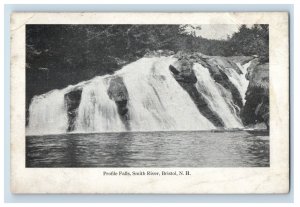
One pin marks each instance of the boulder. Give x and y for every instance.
(117, 91)
(72, 101)
(183, 71)
(256, 109)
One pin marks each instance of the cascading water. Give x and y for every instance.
(216, 98)
(156, 102)
(239, 80)
(97, 112)
(48, 114)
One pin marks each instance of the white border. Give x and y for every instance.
(203, 180)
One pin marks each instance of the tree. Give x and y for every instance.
(251, 41)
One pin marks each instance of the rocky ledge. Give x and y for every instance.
(72, 101)
(117, 91)
(256, 109)
(183, 73)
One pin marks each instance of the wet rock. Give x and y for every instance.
(183, 71)
(216, 70)
(72, 101)
(174, 70)
(184, 74)
(202, 105)
(216, 66)
(256, 109)
(158, 53)
(117, 91)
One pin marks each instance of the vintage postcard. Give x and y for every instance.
(183, 103)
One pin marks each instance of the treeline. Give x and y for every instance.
(59, 55)
(246, 41)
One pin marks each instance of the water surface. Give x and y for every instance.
(149, 149)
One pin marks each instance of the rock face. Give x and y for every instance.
(158, 53)
(72, 101)
(209, 80)
(216, 66)
(256, 109)
(117, 91)
(183, 73)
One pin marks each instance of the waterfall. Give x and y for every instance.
(48, 114)
(241, 83)
(97, 112)
(217, 98)
(155, 101)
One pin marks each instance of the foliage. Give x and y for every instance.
(251, 41)
(59, 55)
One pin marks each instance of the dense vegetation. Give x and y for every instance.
(59, 55)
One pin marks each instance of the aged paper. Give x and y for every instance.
(193, 180)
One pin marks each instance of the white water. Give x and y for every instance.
(217, 99)
(239, 80)
(48, 114)
(97, 112)
(156, 102)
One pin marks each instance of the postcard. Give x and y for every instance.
(172, 103)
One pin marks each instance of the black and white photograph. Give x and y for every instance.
(147, 95)
(163, 103)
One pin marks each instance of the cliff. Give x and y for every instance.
(164, 91)
(256, 109)
(253, 112)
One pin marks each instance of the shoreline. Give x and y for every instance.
(264, 132)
